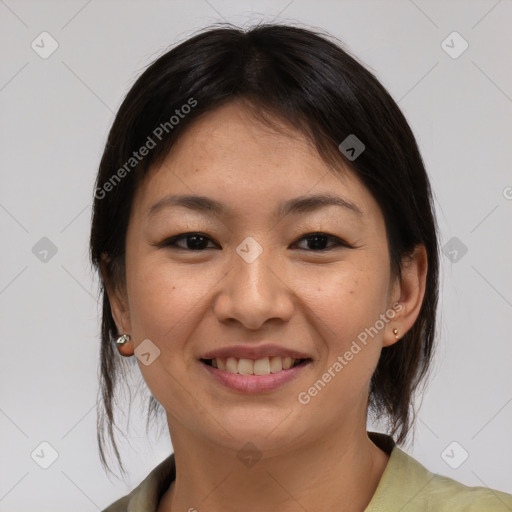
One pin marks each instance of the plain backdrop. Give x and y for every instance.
(56, 113)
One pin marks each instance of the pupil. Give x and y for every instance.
(197, 245)
(316, 244)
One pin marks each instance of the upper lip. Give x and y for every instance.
(254, 352)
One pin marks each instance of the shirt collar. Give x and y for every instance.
(146, 496)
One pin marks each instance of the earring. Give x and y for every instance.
(123, 339)
(395, 332)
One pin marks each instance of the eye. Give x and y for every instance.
(199, 242)
(193, 241)
(317, 241)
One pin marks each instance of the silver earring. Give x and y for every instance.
(123, 339)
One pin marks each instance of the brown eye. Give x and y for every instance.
(198, 242)
(317, 241)
(192, 242)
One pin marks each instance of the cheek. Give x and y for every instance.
(347, 311)
(162, 297)
(346, 301)
(165, 307)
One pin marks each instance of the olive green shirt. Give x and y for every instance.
(405, 486)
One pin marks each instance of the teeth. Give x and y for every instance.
(287, 363)
(276, 364)
(231, 365)
(264, 366)
(246, 367)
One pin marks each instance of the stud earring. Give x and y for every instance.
(123, 339)
(395, 332)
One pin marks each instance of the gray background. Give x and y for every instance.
(56, 113)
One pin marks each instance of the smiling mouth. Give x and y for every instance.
(263, 366)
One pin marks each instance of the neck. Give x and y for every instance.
(339, 470)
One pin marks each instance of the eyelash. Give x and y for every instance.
(172, 241)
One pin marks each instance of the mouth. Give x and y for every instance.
(253, 376)
(262, 366)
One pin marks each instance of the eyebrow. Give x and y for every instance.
(297, 205)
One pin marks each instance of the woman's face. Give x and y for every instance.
(252, 278)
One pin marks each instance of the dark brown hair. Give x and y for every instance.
(311, 82)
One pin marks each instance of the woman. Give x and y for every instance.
(265, 234)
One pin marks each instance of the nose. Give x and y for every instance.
(254, 293)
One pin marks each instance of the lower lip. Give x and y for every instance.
(254, 383)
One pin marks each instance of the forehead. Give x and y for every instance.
(247, 165)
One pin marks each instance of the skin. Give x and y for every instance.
(315, 456)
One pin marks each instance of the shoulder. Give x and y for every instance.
(145, 497)
(407, 485)
(446, 494)
(121, 505)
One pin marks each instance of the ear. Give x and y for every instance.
(408, 293)
(118, 298)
